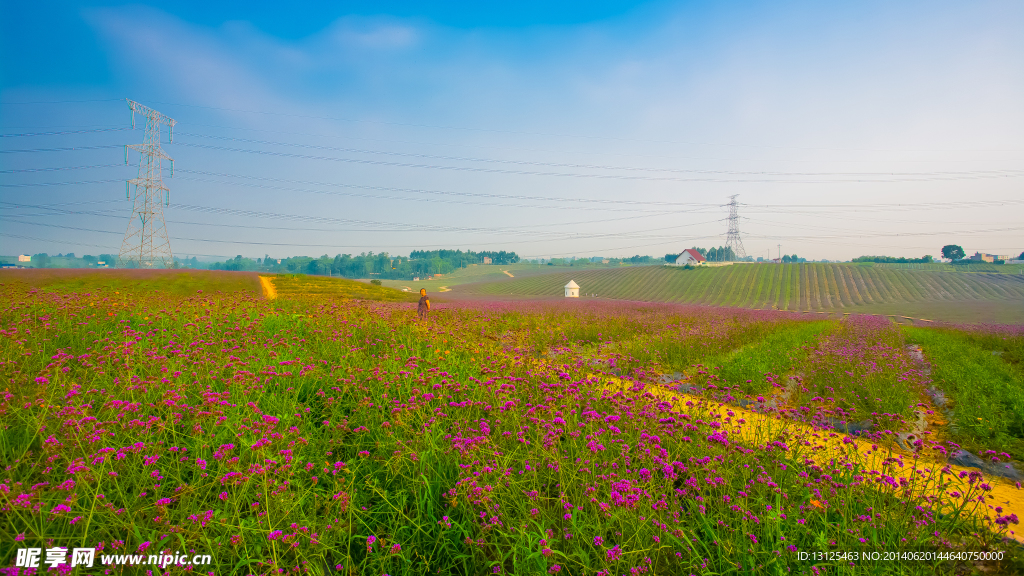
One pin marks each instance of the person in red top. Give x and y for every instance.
(424, 306)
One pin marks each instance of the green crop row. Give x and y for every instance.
(812, 286)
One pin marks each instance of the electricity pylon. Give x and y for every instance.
(145, 243)
(733, 240)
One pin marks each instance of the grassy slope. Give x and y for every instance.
(939, 295)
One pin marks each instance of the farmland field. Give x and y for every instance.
(329, 431)
(483, 273)
(938, 295)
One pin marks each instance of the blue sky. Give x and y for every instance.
(551, 129)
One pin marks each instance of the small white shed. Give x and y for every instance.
(572, 289)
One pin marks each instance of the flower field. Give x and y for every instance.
(319, 434)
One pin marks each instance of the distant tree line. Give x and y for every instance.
(582, 261)
(69, 260)
(894, 259)
(369, 265)
(501, 258)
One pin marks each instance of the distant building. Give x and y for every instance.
(24, 258)
(415, 278)
(437, 275)
(689, 256)
(572, 289)
(487, 259)
(979, 257)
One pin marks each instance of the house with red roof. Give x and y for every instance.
(689, 256)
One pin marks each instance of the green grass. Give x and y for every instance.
(933, 295)
(775, 355)
(300, 285)
(982, 375)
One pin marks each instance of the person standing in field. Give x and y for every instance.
(424, 306)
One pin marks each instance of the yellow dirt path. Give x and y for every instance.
(822, 446)
(509, 274)
(269, 292)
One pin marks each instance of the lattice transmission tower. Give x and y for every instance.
(145, 243)
(733, 240)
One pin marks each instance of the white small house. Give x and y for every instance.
(24, 258)
(572, 290)
(691, 257)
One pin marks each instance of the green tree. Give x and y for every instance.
(953, 252)
(41, 260)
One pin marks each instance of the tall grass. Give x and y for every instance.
(756, 367)
(862, 372)
(982, 375)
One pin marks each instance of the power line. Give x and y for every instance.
(59, 169)
(991, 173)
(589, 137)
(63, 132)
(766, 208)
(399, 227)
(393, 164)
(62, 149)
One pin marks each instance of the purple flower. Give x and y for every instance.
(613, 553)
(598, 541)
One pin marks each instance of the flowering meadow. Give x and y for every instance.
(323, 435)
